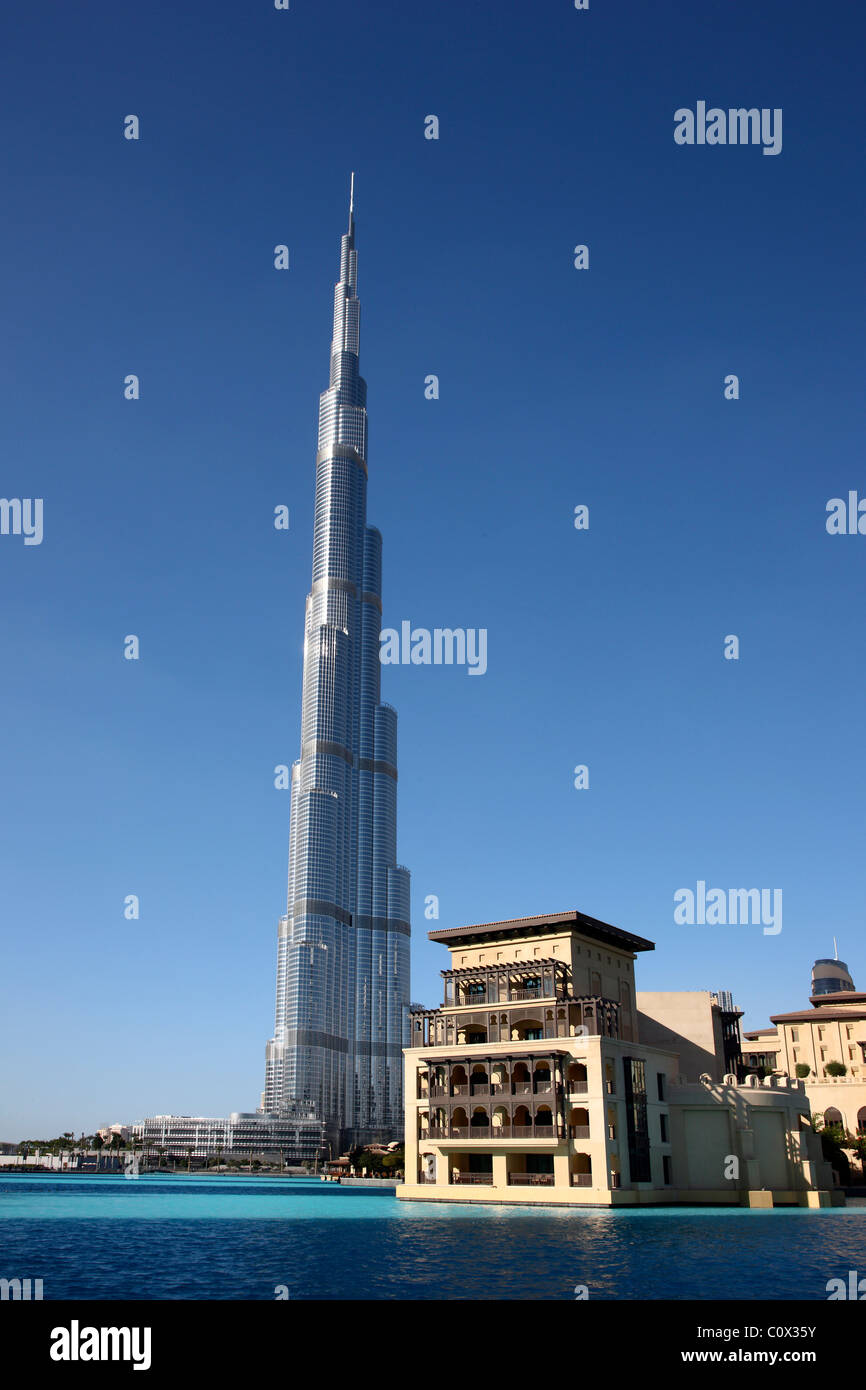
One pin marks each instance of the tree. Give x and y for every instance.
(803, 1070)
(836, 1069)
(832, 1140)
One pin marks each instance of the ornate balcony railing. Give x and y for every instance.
(577, 1088)
(530, 1180)
(579, 1131)
(483, 1179)
(491, 1132)
(581, 1179)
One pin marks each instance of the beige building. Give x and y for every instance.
(702, 1028)
(533, 1083)
(832, 1029)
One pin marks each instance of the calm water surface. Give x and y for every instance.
(191, 1236)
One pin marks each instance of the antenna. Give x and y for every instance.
(835, 950)
(351, 199)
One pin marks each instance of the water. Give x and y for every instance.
(200, 1237)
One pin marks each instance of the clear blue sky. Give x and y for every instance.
(558, 387)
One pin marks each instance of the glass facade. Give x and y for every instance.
(342, 1008)
(637, 1127)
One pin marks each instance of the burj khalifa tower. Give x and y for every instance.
(343, 945)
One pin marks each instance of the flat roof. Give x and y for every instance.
(523, 926)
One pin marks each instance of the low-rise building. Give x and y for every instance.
(831, 1031)
(110, 1132)
(298, 1137)
(702, 1027)
(532, 1083)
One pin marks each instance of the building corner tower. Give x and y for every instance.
(342, 998)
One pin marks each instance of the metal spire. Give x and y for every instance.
(351, 202)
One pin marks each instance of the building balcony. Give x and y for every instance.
(496, 1132)
(478, 1179)
(581, 1179)
(578, 1131)
(522, 1014)
(530, 1180)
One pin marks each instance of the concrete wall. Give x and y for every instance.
(687, 1022)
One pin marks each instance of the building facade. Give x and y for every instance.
(298, 1137)
(832, 1030)
(342, 992)
(701, 1026)
(531, 1084)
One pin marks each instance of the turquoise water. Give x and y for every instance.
(199, 1237)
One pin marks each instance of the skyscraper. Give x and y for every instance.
(343, 945)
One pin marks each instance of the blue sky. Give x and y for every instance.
(558, 387)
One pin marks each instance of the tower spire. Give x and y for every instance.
(342, 995)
